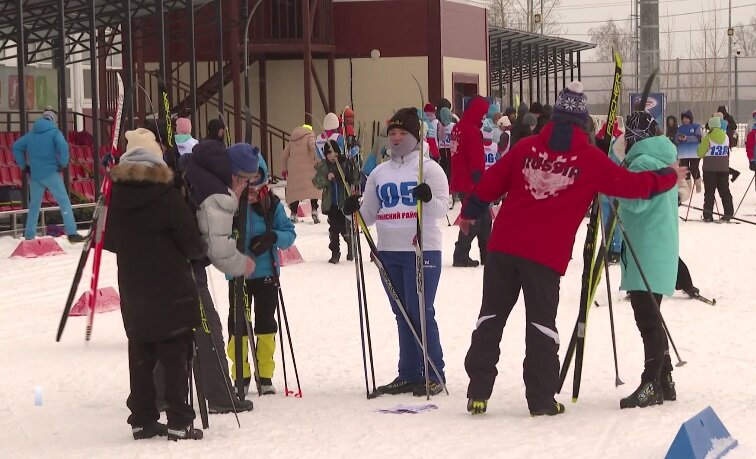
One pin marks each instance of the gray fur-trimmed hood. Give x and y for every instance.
(141, 166)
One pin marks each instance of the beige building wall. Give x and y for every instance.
(456, 65)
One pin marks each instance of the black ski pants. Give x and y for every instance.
(264, 294)
(503, 278)
(655, 344)
(175, 357)
(444, 161)
(295, 205)
(693, 167)
(480, 229)
(717, 182)
(337, 228)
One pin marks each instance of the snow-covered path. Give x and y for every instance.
(85, 386)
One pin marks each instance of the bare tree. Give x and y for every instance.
(745, 38)
(609, 38)
(515, 14)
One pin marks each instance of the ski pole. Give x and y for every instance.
(283, 351)
(367, 316)
(721, 215)
(657, 308)
(362, 306)
(291, 346)
(196, 367)
(617, 380)
(690, 201)
(748, 188)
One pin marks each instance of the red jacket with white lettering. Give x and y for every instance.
(467, 159)
(550, 180)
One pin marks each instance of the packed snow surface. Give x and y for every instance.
(81, 389)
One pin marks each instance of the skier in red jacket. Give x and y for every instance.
(550, 180)
(467, 165)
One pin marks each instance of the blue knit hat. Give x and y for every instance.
(572, 102)
(244, 158)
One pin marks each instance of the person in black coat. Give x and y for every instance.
(154, 234)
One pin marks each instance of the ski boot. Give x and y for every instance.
(434, 388)
(186, 433)
(692, 292)
(398, 386)
(553, 410)
(466, 263)
(239, 406)
(350, 252)
(476, 406)
(76, 238)
(669, 393)
(647, 394)
(334, 258)
(266, 387)
(150, 430)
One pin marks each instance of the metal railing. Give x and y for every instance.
(12, 217)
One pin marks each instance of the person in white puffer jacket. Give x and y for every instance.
(390, 202)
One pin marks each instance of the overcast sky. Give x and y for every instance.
(578, 16)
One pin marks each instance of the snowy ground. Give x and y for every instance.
(85, 386)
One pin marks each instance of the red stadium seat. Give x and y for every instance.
(89, 191)
(88, 154)
(3, 157)
(5, 139)
(16, 175)
(5, 176)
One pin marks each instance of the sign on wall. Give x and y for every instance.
(41, 88)
(656, 105)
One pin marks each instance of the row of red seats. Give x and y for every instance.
(7, 138)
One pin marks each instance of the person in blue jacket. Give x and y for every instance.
(47, 156)
(652, 229)
(268, 229)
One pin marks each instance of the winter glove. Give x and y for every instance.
(352, 204)
(107, 160)
(752, 166)
(262, 243)
(422, 192)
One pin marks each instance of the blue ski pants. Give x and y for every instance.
(400, 267)
(54, 183)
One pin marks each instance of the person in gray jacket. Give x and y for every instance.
(216, 193)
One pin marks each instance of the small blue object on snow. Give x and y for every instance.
(38, 396)
(407, 409)
(702, 436)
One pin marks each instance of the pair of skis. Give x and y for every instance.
(95, 240)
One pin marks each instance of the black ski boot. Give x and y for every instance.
(692, 292)
(239, 405)
(75, 238)
(476, 406)
(150, 430)
(553, 410)
(350, 253)
(334, 258)
(398, 386)
(186, 433)
(669, 393)
(267, 387)
(465, 263)
(647, 394)
(434, 388)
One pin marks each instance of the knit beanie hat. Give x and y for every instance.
(244, 158)
(429, 108)
(445, 116)
(492, 110)
(536, 108)
(50, 115)
(487, 133)
(504, 122)
(530, 120)
(638, 126)
(715, 122)
(572, 102)
(143, 139)
(183, 126)
(331, 122)
(214, 127)
(348, 112)
(406, 119)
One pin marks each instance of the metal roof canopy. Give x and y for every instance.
(40, 24)
(512, 54)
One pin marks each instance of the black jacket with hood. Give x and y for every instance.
(154, 235)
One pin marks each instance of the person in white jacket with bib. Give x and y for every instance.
(390, 202)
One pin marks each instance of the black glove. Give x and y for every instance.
(262, 243)
(752, 166)
(352, 204)
(107, 159)
(422, 192)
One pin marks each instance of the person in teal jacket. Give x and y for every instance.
(47, 156)
(651, 227)
(267, 230)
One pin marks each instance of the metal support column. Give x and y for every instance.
(511, 76)
(501, 72)
(128, 67)
(236, 73)
(572, 67)
(221, 67)
(307, 61)
(564, 70)
(62, 87)
(20, 64)
(530, 74)
(95, 83)
(519, 46)
(192, 69)
(580, 71)
(265, 141)
(556, 73)
(538, 74)
(546, 80)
